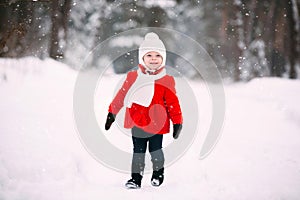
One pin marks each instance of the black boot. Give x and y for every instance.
(135, 181)
(157, 177)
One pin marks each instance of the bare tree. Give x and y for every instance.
(293, 29)
(59, 18)
(14, 26)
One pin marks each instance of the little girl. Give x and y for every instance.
(150, 98)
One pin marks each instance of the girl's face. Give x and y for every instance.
(153, 60)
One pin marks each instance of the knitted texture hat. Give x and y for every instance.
(152, 43)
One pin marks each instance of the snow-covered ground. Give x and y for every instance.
(42, 158)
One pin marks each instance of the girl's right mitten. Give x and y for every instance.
(109, 120)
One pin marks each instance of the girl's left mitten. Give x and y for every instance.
(176, 130)
(109, 120)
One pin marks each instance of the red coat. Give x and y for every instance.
(155, 118)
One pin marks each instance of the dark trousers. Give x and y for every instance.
(140, 140)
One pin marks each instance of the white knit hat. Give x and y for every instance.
(152, 43)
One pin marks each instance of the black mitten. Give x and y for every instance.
(109, 120)
(176, 130)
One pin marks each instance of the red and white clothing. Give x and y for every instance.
(152, 116)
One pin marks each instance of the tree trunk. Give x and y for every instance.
(249, 29)
(12, 42)
(66, 15)
(239, 42)
(270, 38)
(4, 29)
(292, 14)
(224, 24)
(55, 51)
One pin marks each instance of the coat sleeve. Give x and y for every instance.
(118, 101)
(172, 102)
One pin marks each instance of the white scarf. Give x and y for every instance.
(142, 90)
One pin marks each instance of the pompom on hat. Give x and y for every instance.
(152, 43)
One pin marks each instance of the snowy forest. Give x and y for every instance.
(236, 65)
(245, 38)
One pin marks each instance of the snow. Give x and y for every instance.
(163, 4)
(42, 157)
(126, 41)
